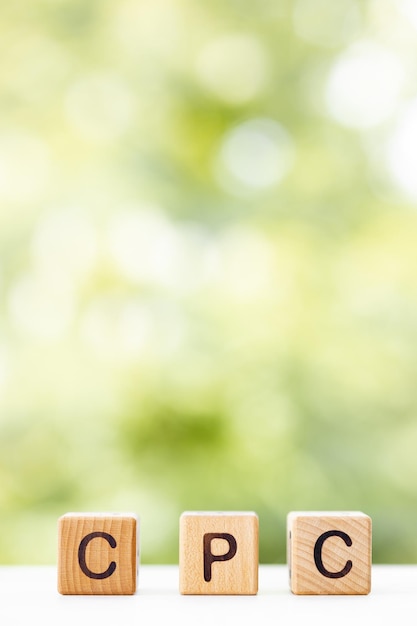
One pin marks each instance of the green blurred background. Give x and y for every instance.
(208, 265)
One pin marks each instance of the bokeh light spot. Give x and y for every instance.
(25, 166)
(64, 245)
(145, 246)
(38, 311)
(364, 85)
(99, 106)
(401, 152)
(254, 156)
(234, 68)
(327, 24)
(409, 10)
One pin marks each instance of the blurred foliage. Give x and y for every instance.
(208, 266)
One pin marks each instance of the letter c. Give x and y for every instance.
(318, 550)
(82, 550)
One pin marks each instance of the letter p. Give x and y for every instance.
(209, 537)
(210, 558)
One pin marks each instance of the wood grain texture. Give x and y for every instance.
(329, 552)
(97, 554)
(203, 570)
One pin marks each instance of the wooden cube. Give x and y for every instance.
(97, 554)
(219, 553)
(329, 552)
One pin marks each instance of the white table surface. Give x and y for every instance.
(28, 595)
